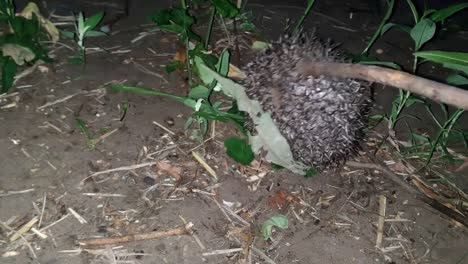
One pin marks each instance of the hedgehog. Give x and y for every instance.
(322, 117)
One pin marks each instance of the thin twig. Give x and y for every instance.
(123, 168)
(99, 242)
(61, 100)
(381, 221)
(436, 91)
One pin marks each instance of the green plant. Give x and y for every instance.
(280, 221)
(198, 99)
(123, 109)
(179, 21)
(457, 61)
(424, 30)
(20, 44)
(239, 150)
(83, 127)
(84, 28)
(310, 3)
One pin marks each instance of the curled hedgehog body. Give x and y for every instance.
(321, 117)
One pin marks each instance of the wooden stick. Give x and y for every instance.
(436, 91)
(381, 222)
(99, 242)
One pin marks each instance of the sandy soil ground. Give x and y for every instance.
(150, 180)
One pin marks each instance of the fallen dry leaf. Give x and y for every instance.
(181, 55)
(164, 166)
(281, 198)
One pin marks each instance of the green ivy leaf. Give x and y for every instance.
(239, 150)
(276, 221)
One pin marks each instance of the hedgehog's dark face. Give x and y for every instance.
(322, 118)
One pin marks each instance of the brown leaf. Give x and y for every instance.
(181, 55)
(164, 166)
(281, 198)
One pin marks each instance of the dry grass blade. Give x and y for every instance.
(205, 165)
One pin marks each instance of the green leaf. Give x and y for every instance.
(260, 45)
(223, 63)
(68, 34)
(188, 123)
(239, 150)
(93, 33)
(81, 23)
(276, 221)
(413, 10)
(381, 63)
(205, 76)
(93, 21)
(457, 58)
(412, 100)
(457, 67)
(420, 138)
(173, 66)
(428, 12)
(442, 14)
(199, 92)
(177, 16)
(422, 32)
(457, 79)
(161, 17)
(226, 8)
(248, 27)
(173, 28)
(9, 69)
(81, 124)
(388, 26)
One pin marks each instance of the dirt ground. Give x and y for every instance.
(48, 170)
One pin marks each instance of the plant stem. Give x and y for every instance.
(187, 47)
(210, 27)
(310, 3)
(401, 105)
(443, 133)
(407, 94)
(379, 29)
(226, 30)
(187, 61)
